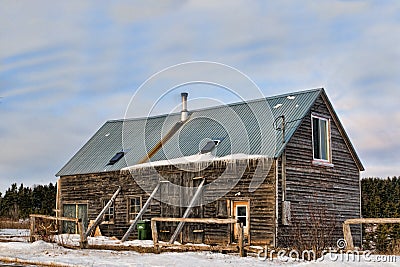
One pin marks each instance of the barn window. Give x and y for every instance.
(321, 138)
(109, 214)
(116, 158)
(134, 206)
(241, 214)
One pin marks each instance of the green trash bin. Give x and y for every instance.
(144, 230)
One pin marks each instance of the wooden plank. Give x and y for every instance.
(187, 212)
(100, 216)
(54, 218)
(139, 215)
(372, 220)
(158, 146)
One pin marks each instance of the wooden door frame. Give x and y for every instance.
(240, 202)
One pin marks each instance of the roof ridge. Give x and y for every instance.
(221, 106)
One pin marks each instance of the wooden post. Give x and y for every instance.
(83, 238)
(242, 253)
(154, 235)
(347, 236)
(58, 203)
(141, 212)
(100, 216)
(32, 230)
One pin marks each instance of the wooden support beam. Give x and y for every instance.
(139, 215)
(187, 212)
(158, 146)
(101, 214)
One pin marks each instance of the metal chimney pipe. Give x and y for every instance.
(184, 112)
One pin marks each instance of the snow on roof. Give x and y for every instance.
(197, 158)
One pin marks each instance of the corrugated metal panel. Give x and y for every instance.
(243, 127)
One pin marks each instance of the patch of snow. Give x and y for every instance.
(48, 253)
(14, 232)
(40, 244)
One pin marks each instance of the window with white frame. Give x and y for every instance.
(321, 138)
(134, 206)
(241, 214)
(109, 214)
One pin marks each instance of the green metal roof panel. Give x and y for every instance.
(251, 131)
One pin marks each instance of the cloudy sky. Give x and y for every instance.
(68, 66)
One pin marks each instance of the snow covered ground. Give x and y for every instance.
(14, 235)
(41, 251)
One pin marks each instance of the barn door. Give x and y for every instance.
(74, 211)
(69, 210)
(241, 211)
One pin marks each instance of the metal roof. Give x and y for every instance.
(245, 127)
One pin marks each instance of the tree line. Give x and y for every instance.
(380, 198)
(20, 201)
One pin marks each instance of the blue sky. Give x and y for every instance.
(68, 66)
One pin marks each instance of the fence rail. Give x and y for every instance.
(347, 232)
(154, 231)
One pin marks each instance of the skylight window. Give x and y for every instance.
(278, 105)
(209, 146)
(116, 158)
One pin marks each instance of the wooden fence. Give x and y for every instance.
(347, 232)
(154, 231)
(34, 227)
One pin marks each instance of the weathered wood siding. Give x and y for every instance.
(93, 188)
(312, 190)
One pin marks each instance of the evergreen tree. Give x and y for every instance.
(19, 202)
(380, 199)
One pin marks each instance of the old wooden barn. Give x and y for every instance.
(288, 174)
